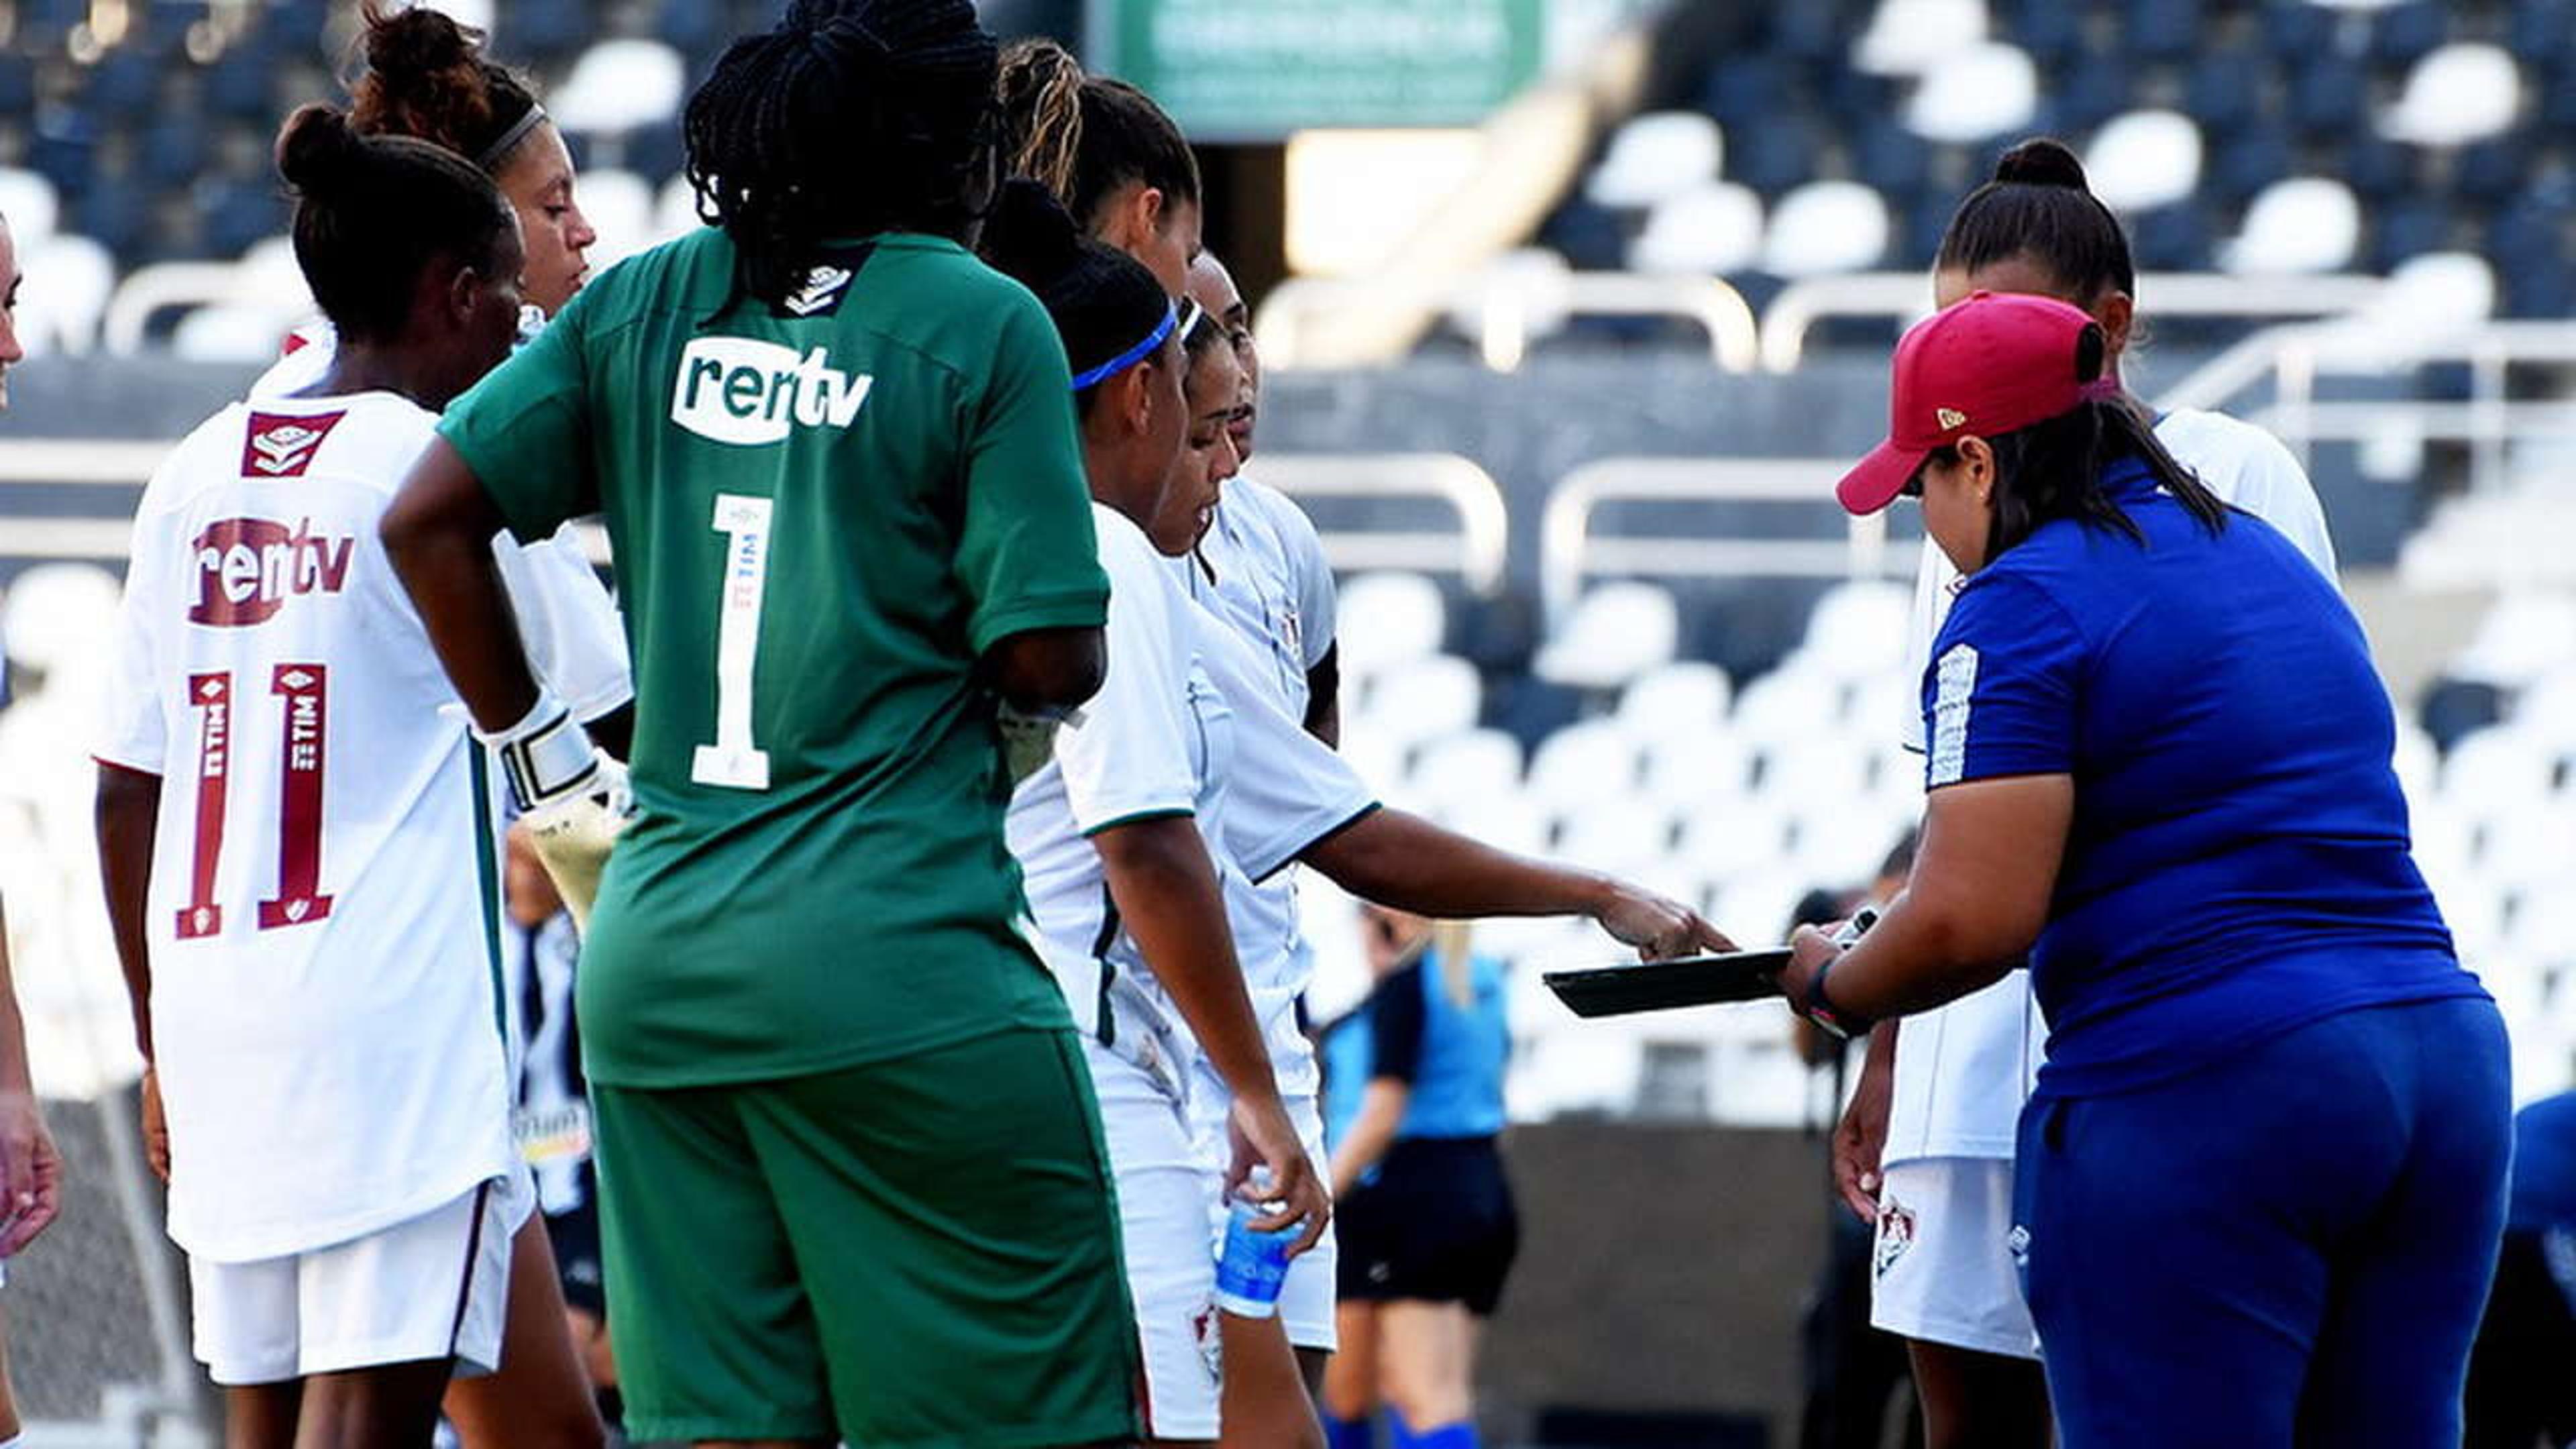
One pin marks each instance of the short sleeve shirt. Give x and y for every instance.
(2238, 863)
(824, 512)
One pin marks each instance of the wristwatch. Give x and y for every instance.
(1822, 1011)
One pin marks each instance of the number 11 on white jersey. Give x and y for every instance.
(734, 761)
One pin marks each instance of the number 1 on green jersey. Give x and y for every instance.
(734, 761)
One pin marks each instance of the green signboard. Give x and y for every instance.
(1256, 70)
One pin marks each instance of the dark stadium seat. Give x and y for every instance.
(17, 85)
(246, 215)
(2171, 238)
(2542, 31)
(2051, 30)
(2492, 172)
(2097, 88)
(2404, 34)
(2223, 89)
(2243, 164)
(2403, 228)
(2164, 30)
(2295, 30)
(122, 86)
(115, 214)
(1588, 237)
(546, 33)
(2329, 97)
(1772, 157)
(2375, 167)
(1891, 158)
(1746, 92)
(237, 86)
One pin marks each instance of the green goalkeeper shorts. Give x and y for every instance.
(915, 1252)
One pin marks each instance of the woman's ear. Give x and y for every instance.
(1135, 217)
(1977, 456)
(2116, 313)
(1135, 399)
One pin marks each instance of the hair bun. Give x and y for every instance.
(317, 152)
(2042, 161)
(1028, 234)
(403, 45)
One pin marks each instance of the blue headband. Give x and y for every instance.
(1132, 355)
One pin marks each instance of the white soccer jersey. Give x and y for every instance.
(565, 615)
(1951, 1063)
(321, 929)
(1261, 568)
(1157, 740)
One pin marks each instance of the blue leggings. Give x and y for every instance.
(2289, 1248)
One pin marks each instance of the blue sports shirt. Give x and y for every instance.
(2238, 864)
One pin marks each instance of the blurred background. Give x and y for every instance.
(1571, 312)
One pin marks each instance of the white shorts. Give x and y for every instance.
(1165, 1185)
(1942, 1268)
(435, 1286)
(1307, 1295)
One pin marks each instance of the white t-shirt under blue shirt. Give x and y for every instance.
(2238, 862)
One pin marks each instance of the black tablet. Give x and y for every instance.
(1664, 985)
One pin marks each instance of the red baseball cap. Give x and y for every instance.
(1993, 364)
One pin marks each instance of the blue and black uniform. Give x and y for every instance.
(2262, 1180)
(1434, 1220)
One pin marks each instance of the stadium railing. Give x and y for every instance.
(1506, 307)
(78, 463)
(2293, 359)
(1476, 552)
(1569, 550)
(1901, 297)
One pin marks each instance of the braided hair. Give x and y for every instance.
(373, 212)
(1085, 137)
(849, 118)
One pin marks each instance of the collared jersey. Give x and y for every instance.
(1963, 1070)
(321, 917)
(2238, 863)
(824, 513)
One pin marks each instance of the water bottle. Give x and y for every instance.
(1252, 1264)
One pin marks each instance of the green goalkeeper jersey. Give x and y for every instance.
(824, 512)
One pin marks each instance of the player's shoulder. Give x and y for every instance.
(2230, 455)
(1126, 554)
(367, 437)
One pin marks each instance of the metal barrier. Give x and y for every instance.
(2293, 358)
(1568, 550)
(1506, 305)
(1903, 297)
(1476, 553)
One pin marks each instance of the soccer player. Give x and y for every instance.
(1925, 1148)
(1106, 151)
(309, 956)
(1114, 830)
(850, 1170)
(31, 1171)
(428, 77)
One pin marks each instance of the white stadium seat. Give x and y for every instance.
(1982, 92)
(1825, 227)
(2495, 770)
(1617, 632)
(2300, 224)
(1584, 764)
(1686, 697)
(1712, 228)
(1389, 618)
(229, 332)
(1456, 770)
(1907, 37)
(1655, 156)
(30, 204)
(2143, 160)
(1813, 772)
(1726, 840)
(621, 207)
(675, 209)
(1421, 701)
(1859, 629)
(1787, 704)
(62, 315)
(2456, 95)
(619, 85)
(1698, 766)
(2526, 634)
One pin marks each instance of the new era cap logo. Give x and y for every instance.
(822, 291)
(1950, 417)
(283, 447)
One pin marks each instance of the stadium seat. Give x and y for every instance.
(2406, 32)
(619, 85)
(1749, 90)
(2529, 845)
(2252, 159)
(1825, 227)
(1892, 159)
(30, 203)
(1697, 767)
(2458, 94)
(1673, 699)
(229, 333)
(1713, 228)
(1776, 155)
(2401, 229)
(1822, 770)
(1617, 631)
(1421, 700)
(1909, 37)
(2171, 238)
(2328, 96)
(2144, 160)
(2222, 90)
(1583, 765)
(1725, 839)
(1982, 92)
(1654, 156)
(1859, 629)
(56, 615)
(63, 314)
(1457, 770)
(1389, 618)
(2527, 634)
(620, 204)
(2303, 224)
(2497, 769)
(2164, 30)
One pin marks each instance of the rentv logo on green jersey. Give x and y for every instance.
(741, 391)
